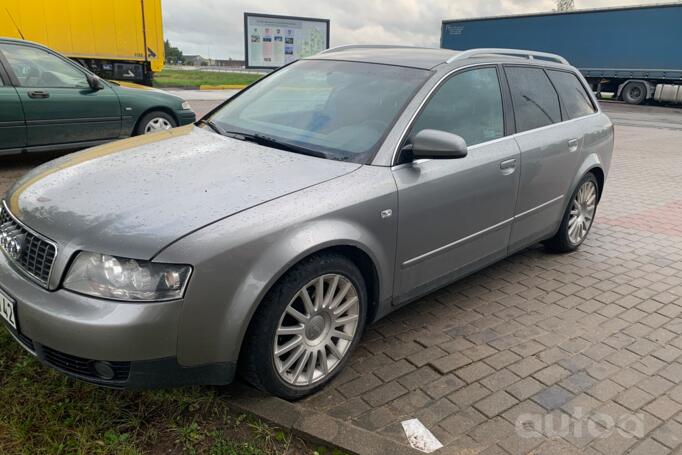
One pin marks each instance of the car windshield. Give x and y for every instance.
(336, 109)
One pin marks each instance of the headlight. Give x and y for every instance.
(116, 278)
(186, 106)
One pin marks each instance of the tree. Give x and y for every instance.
(173, 54)
(565, 5)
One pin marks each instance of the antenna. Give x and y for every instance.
(15, 24)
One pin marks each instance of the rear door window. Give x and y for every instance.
(536, 103)
(573, 95)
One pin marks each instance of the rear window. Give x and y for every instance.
(535, 101)
(573, 95)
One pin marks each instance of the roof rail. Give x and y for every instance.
(363, 46)
(530, 55)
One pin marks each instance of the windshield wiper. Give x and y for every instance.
(262, 139)
(268, 141)
(213, 126)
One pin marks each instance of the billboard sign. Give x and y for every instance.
(273, 41)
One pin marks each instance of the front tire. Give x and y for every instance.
(304, 331)
(578, 217)
(155, 121)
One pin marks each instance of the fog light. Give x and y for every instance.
(104, 370)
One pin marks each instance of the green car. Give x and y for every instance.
(49, 102)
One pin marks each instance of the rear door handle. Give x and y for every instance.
(508, 164)
(573, 145)
(38, 94)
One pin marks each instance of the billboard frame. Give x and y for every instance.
(274, 16)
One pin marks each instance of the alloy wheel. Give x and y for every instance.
(316, 330)
(157, 124)
(583, 208)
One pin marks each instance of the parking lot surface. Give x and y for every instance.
(546, 353)
(541, 353)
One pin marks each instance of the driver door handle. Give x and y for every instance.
(38, 94)
(508, 164)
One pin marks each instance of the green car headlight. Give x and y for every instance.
(117, 278)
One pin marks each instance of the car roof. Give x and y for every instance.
(23, 42)
(19, 41)
(430, 58)
(416, 57)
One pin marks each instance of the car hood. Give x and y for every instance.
(134, 86)
(133, 197)
(130, 88)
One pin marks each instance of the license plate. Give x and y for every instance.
(7, 310)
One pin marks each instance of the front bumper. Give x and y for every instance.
(134, 344)
(143, 374)
(185, 117)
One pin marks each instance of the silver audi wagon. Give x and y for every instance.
(263, 239)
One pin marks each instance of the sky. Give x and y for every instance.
(215, 28)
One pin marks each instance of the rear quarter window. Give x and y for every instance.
(536, 103)
(576, 100)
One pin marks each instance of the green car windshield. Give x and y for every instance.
(338, 109)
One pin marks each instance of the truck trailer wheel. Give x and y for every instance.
(634, 93)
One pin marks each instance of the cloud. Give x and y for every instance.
(215, 27)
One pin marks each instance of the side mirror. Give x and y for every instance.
(435, 144)
(94, 82)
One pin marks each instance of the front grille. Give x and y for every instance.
(26, 341)
(36, 255)
(83, 367)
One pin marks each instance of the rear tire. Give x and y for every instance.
(634, 93)
(578, 217)
(155, 121)
(291, 349)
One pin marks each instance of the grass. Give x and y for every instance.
(44, 412)
(195, 78)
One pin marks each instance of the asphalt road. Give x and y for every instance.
(666, 117)
(203, 101)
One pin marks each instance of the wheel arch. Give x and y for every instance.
(364, 262)
(601, 179)
(592, 164)
(357, 253)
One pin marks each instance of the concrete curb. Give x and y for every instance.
(315, 427)
(223, 87)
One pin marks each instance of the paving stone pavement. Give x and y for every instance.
(586, 348)
(541, 353)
